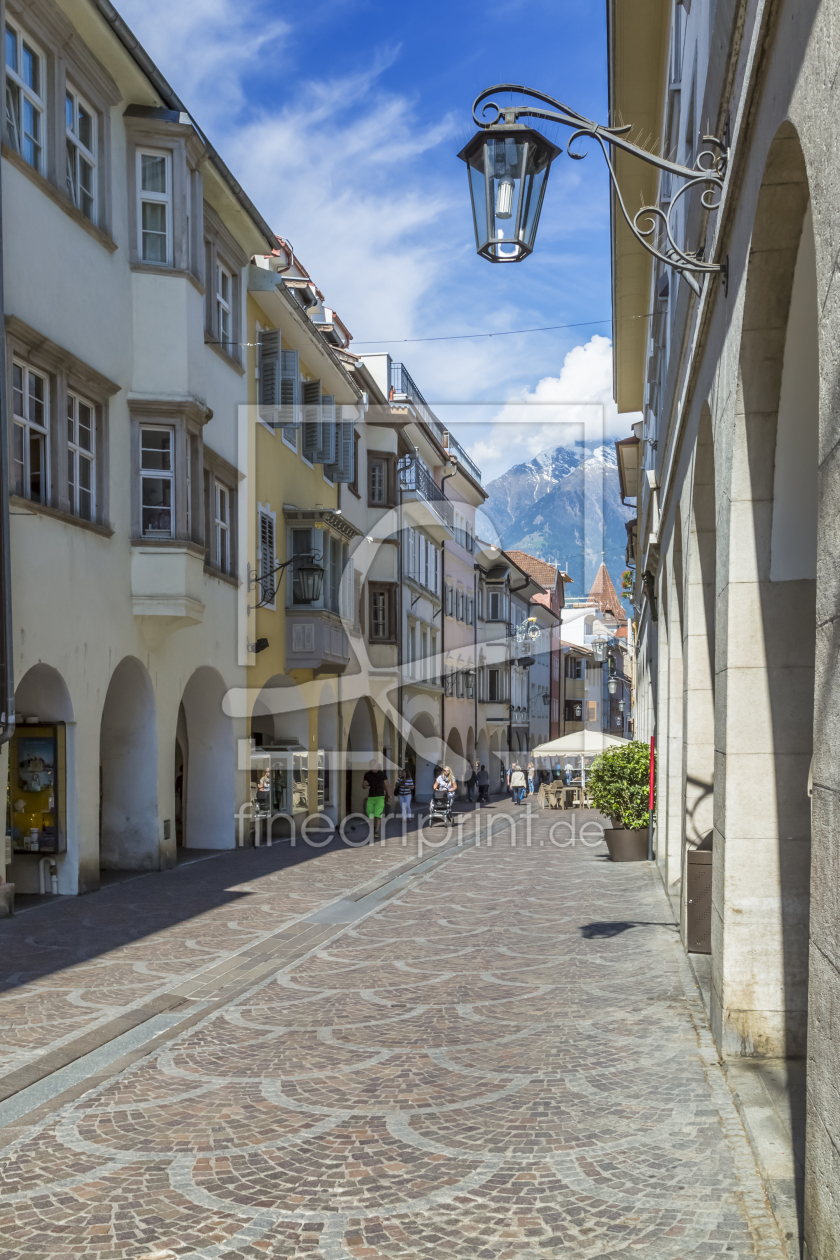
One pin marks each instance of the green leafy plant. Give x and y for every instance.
(618, 784)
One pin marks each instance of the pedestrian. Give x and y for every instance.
(483, 781)
(471, 781)
(405, 791)
(532, 786)
(376, 781)
(518, 784)
(509, 772)
(568, 773)
(445, 782)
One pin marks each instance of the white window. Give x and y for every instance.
(157, 481)
(496, 609)
(81, 453)
(224, 304)
(80, 126)
(25, 98)
(222, 526)
(154, 228)
(31, 426)
(189, 484)
(268, 559)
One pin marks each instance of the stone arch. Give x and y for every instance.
(129, 829)
(210, 791)
(762, 819)
(482, 752)
(362, 748)
(424, 744)
(454, 754)
(43, 693)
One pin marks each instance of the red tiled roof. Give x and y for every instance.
(540, 570)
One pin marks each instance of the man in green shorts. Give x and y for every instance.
(376, 782)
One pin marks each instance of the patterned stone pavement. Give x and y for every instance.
(507, 1060)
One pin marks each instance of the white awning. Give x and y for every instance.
(579, 744)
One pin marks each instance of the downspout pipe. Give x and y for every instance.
(7, 672)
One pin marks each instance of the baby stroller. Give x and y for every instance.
(440, 808)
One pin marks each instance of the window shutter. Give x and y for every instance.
(311, 399)
(269, 366)
(344, 468)
(325, 453)
(436, 587)
(289, 390)
(267, 558)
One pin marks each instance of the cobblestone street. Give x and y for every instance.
(496, 1052)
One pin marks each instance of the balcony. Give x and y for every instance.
(405, 390)
(425, 503)
(316, 639)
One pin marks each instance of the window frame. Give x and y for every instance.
(224, 307)
(38, 101)
(389, 591)
(389, 460)
(222, 526)
(75, 400)
(164, 475)
(23, 424)
(147, 196)
(82, 152)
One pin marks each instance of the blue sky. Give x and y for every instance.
(343, 118)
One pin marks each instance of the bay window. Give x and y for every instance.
(80, 140)
(81, 453)
(157, 481)
(25, 98)
(30, 474)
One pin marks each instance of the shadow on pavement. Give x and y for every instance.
(615, 927)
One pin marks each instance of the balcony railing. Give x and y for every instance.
(415, 476)
(403, 386)
(455, 448)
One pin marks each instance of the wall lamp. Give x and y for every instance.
(508, 164)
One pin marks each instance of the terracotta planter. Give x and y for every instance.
(627, 846)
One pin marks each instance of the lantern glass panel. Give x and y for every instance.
(508, 171)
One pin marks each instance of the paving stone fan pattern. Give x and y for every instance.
(502, 1063)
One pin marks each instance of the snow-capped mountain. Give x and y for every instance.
(564, 506)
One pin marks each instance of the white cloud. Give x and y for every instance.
(553, 412)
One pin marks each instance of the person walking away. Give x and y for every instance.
(532, 775)
(405, 790)
(471, 781)
(376, 781)
(483, 780)
(518, 784)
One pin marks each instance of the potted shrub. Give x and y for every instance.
(618, 786)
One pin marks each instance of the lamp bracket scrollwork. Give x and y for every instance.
(651, 225)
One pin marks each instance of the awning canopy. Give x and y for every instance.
(579, 744)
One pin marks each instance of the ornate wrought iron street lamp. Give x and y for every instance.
(308, 577)
(612, 686)
(508, 164)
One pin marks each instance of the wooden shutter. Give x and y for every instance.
(289, 391)
(311, 400)
(344, 466)
(269, 368)
(267, 558)
(325, 453)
